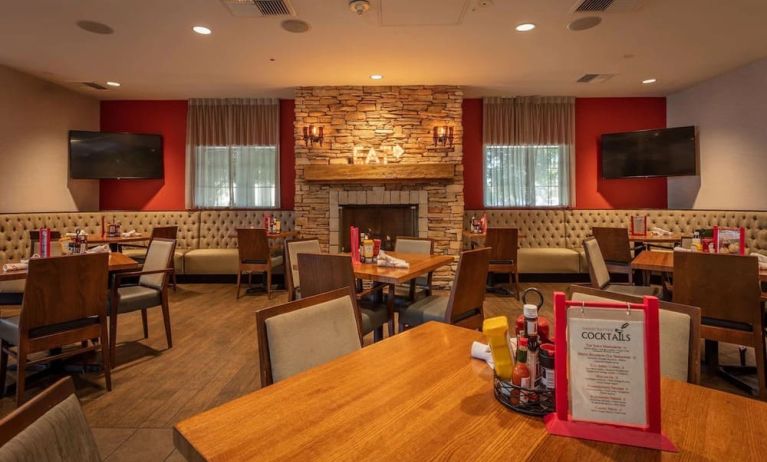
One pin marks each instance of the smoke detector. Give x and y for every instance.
(359, 6)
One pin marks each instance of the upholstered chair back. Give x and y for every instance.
(158, 257)
(296, 247)
(600, 277)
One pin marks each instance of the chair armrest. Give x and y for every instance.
(118, 277)
(137, 246)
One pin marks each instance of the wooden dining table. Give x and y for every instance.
(663, 262)
(419, 264)
(116, 240)
(117, 262)
(651, 238)
(419, 396)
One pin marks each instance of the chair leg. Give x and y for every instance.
(3, 366)
(112, 337)
(378, 333)
(760, 365)
(411, 293)
(269, 284)
(175, 281)
(239, 280)
(145, 323)
(516, 283)
(105, 362)
(166, 320)
(21, 366)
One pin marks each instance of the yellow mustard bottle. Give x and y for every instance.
(496, 330)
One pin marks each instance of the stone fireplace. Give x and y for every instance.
(381, 118)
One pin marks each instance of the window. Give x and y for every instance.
(236, 176)
(526, 176)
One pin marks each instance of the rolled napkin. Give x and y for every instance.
(762, 258)
(20, 266)
(681, 249)
(70, 234)
(482, 351)
(660, 231)
(99, 249)
(388, 260)
(130, 233)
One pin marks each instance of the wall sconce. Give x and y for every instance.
(443, 136)
(313, 135)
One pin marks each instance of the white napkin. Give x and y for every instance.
(70, 234)
(130, 233)
(482, 351)
(22, 265)
(762, 258)
(388, 260)
(660, 231)
(99, 249)
(681, 249)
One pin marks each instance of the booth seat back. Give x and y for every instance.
(540, 228)
(188, 223)
(218, 228)
(15, 227)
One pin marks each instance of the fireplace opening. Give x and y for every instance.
(384, 222)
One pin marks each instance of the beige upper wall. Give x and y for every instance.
(35, 118)
(729, 112)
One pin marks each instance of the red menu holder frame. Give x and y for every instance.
(634, 230)
(561, 423)
(741, 237)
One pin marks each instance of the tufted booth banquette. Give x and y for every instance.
(205, 238)
(553, 238)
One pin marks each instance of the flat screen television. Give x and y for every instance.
(103, 155)
(647, 153)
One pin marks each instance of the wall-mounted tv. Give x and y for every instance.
(103, 155)
(646, 153)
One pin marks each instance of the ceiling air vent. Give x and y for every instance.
(94, 85)
(593, 5)
(595, 78)
(606, 6)
(259, 8)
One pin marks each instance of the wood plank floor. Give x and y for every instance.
(214, 360)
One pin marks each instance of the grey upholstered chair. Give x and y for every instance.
(600, 276)
(679, 332)
(464, 305)
(151, 290)
(405, 244)
(49, 427)
(292, 249)
(305, 333)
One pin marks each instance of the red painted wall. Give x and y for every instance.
(595, 116)
(167, 118)
(472, 154)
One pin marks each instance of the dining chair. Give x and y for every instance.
(292, 248)
(322, 273)
(417, 245)
(255, 256)
(463, 306)
(150, 291)
(64, 303)
(504, 249)
(49, 427)
(600, 276)
(679, 331)
(726, 288)
(616, 249)
(305, 333)
(158, 232)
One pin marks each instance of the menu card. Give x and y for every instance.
(607, 373)
(639, 225)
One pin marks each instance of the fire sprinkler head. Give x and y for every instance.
(359, 6)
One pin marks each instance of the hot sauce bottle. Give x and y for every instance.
(521, 374)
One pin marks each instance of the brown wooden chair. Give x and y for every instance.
(616, 249)
(255, 256)
(416, 245)
(322, 273)
(302, 334)
(151, 291)
(64, 303)
(679, 332)
(726, 288)
(292, 248)
(504, 249)
(158, 232)
(600, 276)
(49, 427)
(464, 305)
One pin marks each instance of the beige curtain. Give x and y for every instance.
(529, 149)
(232, 152)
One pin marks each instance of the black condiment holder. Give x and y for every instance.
(535, 402)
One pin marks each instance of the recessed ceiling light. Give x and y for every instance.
(202, 30)
(376, 76)
(95, 27)
(113, 84)
(648, 81)
(525, 27)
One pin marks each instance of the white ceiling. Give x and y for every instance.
(155, 54)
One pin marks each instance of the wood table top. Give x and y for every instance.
(663, 262)
(472, 235)
(419, 396)
(117, 262)
(99, 239)
(419, 264)
(657, 238)
(280, 235)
